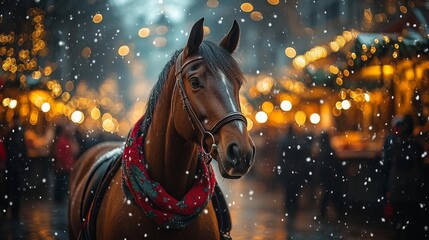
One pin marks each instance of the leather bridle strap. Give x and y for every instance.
(193, 118)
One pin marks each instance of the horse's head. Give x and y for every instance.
(206, 93)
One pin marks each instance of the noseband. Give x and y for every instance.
(192, 116)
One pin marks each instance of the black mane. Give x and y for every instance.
(215, 57)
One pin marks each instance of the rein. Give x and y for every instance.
(192, 116)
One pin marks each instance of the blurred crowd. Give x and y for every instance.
(40, 162)
(311, 162)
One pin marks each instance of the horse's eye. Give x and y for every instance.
(195, 83)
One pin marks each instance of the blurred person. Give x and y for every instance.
(16, 162)
(403, 155)
(330, 174)
(64, 151)
(293, 167)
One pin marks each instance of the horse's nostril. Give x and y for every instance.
(233, 153)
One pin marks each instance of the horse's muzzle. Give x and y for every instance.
(237, 161)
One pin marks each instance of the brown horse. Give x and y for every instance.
(193, 108)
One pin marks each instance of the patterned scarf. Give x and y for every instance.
(152, 198)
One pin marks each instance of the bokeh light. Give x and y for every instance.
(261, 117)
(286, 105)
(315, 118)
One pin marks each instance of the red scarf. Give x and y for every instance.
(150, 196)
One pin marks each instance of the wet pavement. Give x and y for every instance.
(256, 207)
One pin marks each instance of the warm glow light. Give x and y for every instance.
(144, 32)
(97, 18)
(333, 69)
(334, 46)
(290, 52)
(6, 101)
(264, 85)
(77, 117)
(36, 75)
(13, 103)
(108, 125)
(86, 52)
(300, 117)
(367, 97)
(338, 105)
(212, 3)
(345, 104)
(45, 107)
(286, 105)
(206, 30)
(256, 16)
(299, 62)
(123, 50)
(273, 2)
(246, 7)
(261, 117)
(267, 107)
(95, 113)
(314, 118)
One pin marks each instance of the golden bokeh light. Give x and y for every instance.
(97, 18)
(36, 75)
(95, 113)
(299, 62)
(267, 107)
(77, 117)
(6, 102)
(290, 52)
(108, 125)
(246, 7)
(315, 118)
(206, 30)
(256, 16)
(300, 117)
(45, 107)
(86, 52)
(13, 103)
(212, 3)
(123, 50)
(144, 32)
(261, 117)
(273, 2)
(286, 105)
(345, 104)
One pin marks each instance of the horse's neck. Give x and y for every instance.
(172, 161)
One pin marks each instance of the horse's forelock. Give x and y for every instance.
(217, 58)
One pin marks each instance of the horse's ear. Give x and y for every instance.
(195, 38)
(230, 41)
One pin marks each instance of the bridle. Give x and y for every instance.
(192, 116)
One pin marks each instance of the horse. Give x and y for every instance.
(193, 116)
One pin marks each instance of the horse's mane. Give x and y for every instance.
(215, 57)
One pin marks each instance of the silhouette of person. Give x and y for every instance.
(16, 151)
(65, 151)
(293, 164)
(402, 153)
(330, 175)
